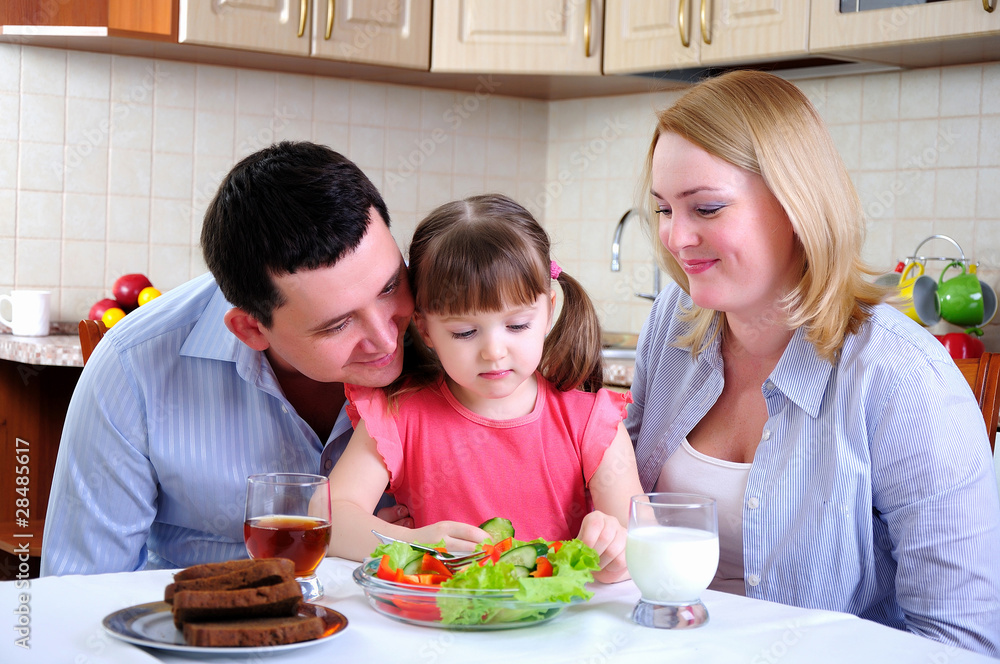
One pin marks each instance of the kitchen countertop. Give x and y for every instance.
(60, 349)
(619, 372)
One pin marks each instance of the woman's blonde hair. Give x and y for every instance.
(487, 253)
(765, 125)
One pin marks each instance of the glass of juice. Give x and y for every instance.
(672, 553)
(288, 516)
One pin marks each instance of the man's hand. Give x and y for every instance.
(606, 535)
(397, 515)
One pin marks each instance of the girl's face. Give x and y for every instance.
(490, 358)
(725, 228)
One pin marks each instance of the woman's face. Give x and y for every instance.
(726, 230)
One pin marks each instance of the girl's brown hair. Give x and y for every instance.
(487, 253)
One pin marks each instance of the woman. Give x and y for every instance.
(846, 452)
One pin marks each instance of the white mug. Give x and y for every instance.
(29, 312)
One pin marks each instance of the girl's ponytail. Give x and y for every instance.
(571, 357)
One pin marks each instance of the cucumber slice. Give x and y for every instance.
(412, 566)
(521, 556)
(498, 528)
(521, 572)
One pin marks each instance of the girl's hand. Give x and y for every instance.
(396, 514)
(606, 535)
(457, 536)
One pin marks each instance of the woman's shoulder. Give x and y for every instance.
(890, 334)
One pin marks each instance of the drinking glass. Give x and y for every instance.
(288, 516)
(672, 554)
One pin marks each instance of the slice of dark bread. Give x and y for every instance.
(212, 569)
(254, 632)
(263, 572)
(281, 599)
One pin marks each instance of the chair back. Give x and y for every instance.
(983, 374)
(91, 332)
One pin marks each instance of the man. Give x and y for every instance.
(237, 372)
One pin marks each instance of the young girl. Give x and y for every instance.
(489, 420)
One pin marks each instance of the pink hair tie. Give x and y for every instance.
(554, 270)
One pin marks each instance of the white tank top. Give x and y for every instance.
(690, 471)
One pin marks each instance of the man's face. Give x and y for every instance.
(345, 323)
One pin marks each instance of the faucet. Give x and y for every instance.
(616, 245)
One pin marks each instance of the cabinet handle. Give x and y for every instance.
(706, 35)
(303, 12)
(331, 5)
(989, 5)
(681, 23)
(586, 30)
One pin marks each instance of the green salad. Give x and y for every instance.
(536, 573)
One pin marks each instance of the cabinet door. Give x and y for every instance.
(831, 29)
(750, 30)
(517, 36)
(649, 35)
(259, 25)
(385, 32)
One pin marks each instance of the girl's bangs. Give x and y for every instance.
(458, 282)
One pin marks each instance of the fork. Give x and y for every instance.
(451, 560)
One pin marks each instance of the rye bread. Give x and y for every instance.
(263, 572)
(212, 569)
(281, 599)
(254, 632)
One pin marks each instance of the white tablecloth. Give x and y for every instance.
(65, 613)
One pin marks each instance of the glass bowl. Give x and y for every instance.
(433, 606)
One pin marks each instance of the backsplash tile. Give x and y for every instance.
(111, 160)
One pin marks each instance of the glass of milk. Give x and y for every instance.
(672, 553)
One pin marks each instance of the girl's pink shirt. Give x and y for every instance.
(447, 463)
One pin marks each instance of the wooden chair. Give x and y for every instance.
(91, 332)
(983, 374)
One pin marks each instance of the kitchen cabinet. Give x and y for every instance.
(149, 19)
(908, 34)
(33, 403)
(653, 35)
(384, 32)
(517, 36)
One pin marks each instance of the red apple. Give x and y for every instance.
(127, 288)
(97, 311)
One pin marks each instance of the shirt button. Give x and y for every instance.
(768, 384)
(753, 580)
(767, 434)
(752, 503)
(328, 466)
(284, 410)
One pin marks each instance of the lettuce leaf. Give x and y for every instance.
(400, 553)
(572, 566)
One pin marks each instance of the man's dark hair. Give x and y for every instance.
(291, 206)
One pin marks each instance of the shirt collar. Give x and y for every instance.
(801, 374)
(210, 339)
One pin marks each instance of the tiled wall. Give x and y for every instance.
(922, 146)
(107, 163)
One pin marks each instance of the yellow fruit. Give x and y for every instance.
(112, 316)
(146, 294)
